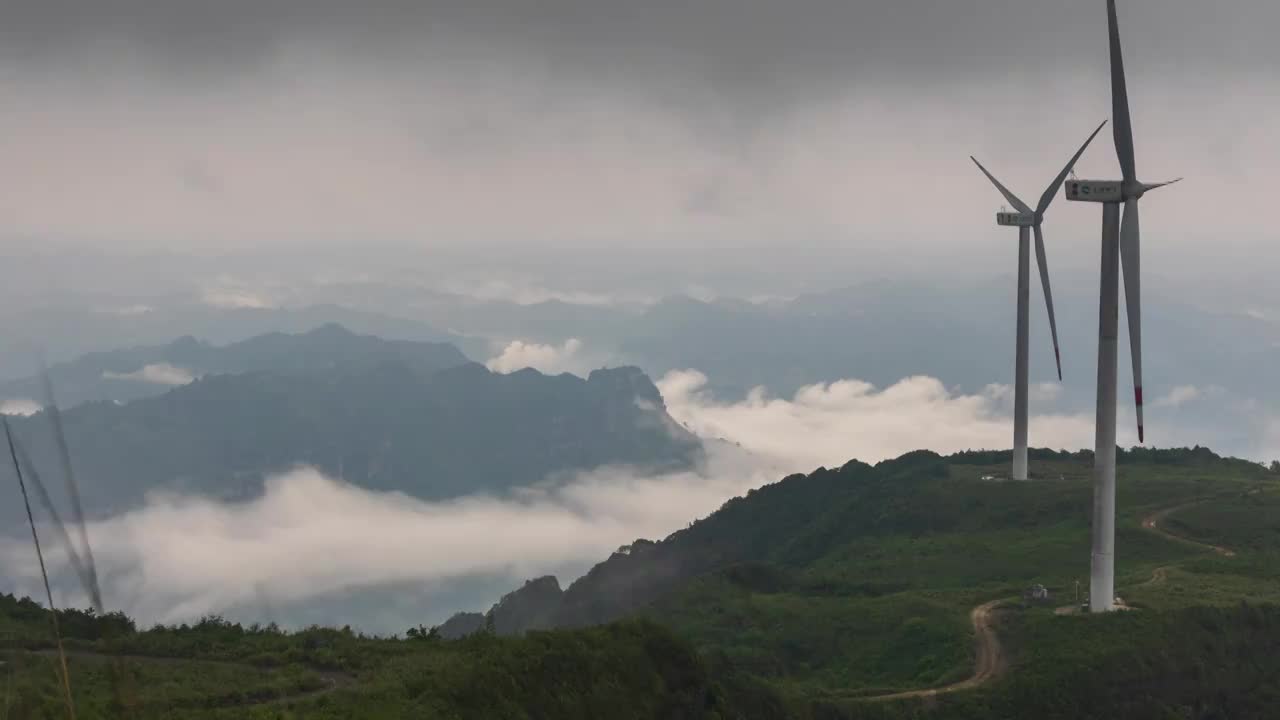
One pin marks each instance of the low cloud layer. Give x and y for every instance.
(125, 310)
(19, 406)
(235, 299)
(548, 359)
(831, 423)
(310, 536)
(156, 374)
(1178, 396)
(523, 291)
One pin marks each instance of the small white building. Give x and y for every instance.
(1036, 593)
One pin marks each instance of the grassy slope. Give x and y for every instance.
(844, 584)
(631, 669)
(874, 597)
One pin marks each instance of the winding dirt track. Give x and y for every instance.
(990, 660)
(1152, 524)
(1158, 576)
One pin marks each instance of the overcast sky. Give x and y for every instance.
(720, 123)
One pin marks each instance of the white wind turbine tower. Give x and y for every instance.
(1118, 241)
(1026, 219)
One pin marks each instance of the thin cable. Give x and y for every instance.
(77, 511)
(43, 493)
(35, 538)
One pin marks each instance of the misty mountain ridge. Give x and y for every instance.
(61, 330)
(132, 373)
(382, 421)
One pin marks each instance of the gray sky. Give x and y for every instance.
(186, 124)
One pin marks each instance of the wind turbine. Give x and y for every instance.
(1119, 241)
(1026, 220)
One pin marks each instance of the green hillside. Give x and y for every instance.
(873, 596)
(805, 599)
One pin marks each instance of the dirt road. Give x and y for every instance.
(1152, 523)
(989, 663)
(1158, 576)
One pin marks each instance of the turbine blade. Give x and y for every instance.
(1122, 126)
(1131, 259)
(1043, 262)
(1013, 199)
(1047, 198)
(1153, 186)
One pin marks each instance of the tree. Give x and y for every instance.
(422, 633)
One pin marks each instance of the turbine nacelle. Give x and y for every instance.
(1109, 191)
(1099, 191)
(1016, 219)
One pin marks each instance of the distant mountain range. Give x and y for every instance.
(881, 332)
(957, 329)
(1209, 365)
(63, 332)
(132, 373)
(1209, 368)
(411, 417)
